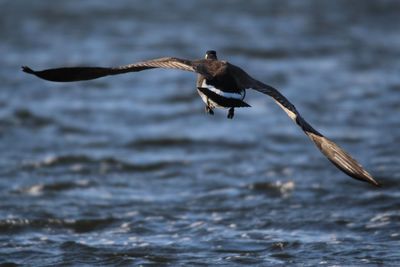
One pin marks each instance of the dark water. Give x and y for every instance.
(129, 170)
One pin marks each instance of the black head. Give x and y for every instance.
(211, 54)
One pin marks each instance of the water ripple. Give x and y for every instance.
(128, 170)
(189, 142)
(84, 164)
(79, 226)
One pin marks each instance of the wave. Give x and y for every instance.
(28, 118)
(78, 226)
(39, 189)
(188, 142)
(83, 163)
(278, 187)
(24, 118)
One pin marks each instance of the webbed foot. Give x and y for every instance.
(231, 113)
(209, 110)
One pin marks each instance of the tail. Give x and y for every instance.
(223, 101)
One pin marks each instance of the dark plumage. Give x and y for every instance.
(220, 84)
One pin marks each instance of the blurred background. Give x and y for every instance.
(129, 170)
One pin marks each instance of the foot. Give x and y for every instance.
(231, 113)
(209, 110)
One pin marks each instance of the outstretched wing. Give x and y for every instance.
(332, 151)
(72, 74)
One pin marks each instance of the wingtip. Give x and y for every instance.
(341, 159)
(27, 69)
(373, 182)
(363, 175)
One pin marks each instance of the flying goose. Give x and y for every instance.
(220, 85)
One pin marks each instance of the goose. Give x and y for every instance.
(220, 84)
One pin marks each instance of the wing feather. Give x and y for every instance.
(339, 157)
(72, 74)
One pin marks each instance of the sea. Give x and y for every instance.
(129, 170)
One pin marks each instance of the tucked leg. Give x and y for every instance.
(231, 113)
(209, 110)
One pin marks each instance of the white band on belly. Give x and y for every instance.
(222, 93)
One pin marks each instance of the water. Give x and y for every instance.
(129, 170)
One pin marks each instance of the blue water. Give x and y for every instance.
(129, 170)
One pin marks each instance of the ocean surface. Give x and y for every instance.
(129, 170)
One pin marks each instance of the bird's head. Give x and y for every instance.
(211, 54)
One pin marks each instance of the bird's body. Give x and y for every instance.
(225, 95)
(220, 84)
(221, 91)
